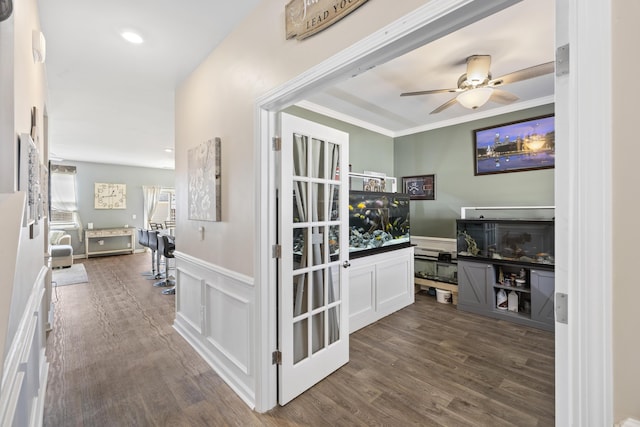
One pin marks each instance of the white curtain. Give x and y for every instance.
(150, 196)
(64, 193)
(307, 150)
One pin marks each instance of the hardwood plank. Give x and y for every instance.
(115, 359)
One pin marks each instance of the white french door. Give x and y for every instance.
(314, 238)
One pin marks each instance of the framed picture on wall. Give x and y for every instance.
(420, 187)
(514, 147)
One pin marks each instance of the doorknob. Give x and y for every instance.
(346, 264)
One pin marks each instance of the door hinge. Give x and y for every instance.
(276, 251)
(276, 143)
(562, 308)
(562, 60)
(276, 358)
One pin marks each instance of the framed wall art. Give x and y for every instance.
(203, 170)
(110, 196)
(420, 187)
(29, 178)
(514, 147)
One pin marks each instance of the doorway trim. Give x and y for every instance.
(587, 28)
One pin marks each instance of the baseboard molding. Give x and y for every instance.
(182, 327)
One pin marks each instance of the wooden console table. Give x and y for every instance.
(106, 233)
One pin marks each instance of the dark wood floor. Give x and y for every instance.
(116, 361)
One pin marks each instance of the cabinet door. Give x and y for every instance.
(542, 289)
(475, 284)
(362, 296)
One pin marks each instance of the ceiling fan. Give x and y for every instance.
(477, 86)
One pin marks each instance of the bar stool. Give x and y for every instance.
(155, 256)
(165, 248)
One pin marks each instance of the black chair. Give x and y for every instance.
(155, 255)
(143, 240)
(166, 246)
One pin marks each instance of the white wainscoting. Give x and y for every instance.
(426, 245)
(24, 380)
(215, 313)
(379, 285)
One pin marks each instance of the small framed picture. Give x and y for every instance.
(421, 187)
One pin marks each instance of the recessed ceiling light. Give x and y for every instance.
(168, 150)
(132, 37)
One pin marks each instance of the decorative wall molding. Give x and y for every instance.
(24, 379)
(214, 313)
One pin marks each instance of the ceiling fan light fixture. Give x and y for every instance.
(474, 98)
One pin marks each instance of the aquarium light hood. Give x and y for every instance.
(391, 179)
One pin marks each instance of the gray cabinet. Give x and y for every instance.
(474, 295)
(542, 290)
(479, 285)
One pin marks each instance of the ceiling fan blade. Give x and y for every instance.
(503, 97)
(428, 92)
(524, 74)
(478, 69)
(444, 106)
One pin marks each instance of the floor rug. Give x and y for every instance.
(70, 276)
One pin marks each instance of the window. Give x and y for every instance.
(165, 209)
(64, 197)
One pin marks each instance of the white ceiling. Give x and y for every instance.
(112, 102)
(518, 37)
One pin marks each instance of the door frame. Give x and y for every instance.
(582, 184)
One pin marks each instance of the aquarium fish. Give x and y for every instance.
(361, 205)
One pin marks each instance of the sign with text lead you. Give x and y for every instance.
(304, 18)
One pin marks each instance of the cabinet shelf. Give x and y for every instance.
(437, 271)
(513, 288)
(514, 314)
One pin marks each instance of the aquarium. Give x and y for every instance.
(522, 241)
(377, 221)
(436, 268)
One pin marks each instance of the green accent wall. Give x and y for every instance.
(448, 153)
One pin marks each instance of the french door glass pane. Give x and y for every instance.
(320, 213)
(300, 340)
(317, 331)
(299, 155)
(299, 248)
(333, 279)
(317, 242)
(318, 289)
(300, 213)
(300, 291)
(334, 324)
(334, 208)
(317, 157)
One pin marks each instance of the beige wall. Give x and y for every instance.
(28, 91)
(218, 99)
(626, 201)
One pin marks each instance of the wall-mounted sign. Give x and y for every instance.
(304, 18)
